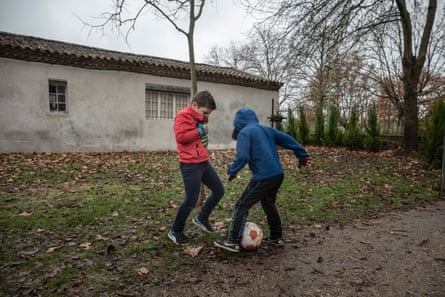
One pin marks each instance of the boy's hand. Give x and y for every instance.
(203, 133)
(305, 162)
(205, 140)
(202, 129)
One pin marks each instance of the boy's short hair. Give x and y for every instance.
(205, 99)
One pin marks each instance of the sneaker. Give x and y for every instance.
(177, 237)
(276, 241)
(228, 244)
(204, 225)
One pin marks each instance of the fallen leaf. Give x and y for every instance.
(25, 214)
(100, 237)
(86, 245)
(53, 248)
(398, 233)
(142, 271)
(193, 251)
(365, 242)
(115, 213)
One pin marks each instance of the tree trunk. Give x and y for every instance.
(193, 76)
(412, 68)
(191, 44)
(411, 127)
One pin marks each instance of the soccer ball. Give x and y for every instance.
(252, 236)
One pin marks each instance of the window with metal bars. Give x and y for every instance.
(164, 104)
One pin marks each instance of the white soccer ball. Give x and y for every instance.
(252, 236)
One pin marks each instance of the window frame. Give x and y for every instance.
(162, 102)
(55, 96)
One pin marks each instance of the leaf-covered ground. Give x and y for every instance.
(94, 224)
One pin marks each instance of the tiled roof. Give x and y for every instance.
(34, 49)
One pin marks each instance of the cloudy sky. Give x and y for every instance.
(221, 23)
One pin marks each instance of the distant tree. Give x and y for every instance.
(333, 135)
(303, 128)
(319, 126)
(266, 53)
(432, 142)
(353, 138)
(419, 28)
(291, 127)
(231, 56)
(372, 139)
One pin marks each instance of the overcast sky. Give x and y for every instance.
(221, 23)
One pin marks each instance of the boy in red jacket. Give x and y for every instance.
(192, 139)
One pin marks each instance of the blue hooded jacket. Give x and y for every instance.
(256, 145)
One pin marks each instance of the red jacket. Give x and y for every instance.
(190, 147)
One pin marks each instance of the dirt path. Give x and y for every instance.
(399, 254)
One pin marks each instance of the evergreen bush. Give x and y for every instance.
(303, 128)
(431, 145)
(372, 141)
(319, 126)
(291, 128)
(353, 139)
(334, 137)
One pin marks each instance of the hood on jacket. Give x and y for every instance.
(243, 117)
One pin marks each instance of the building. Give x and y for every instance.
(62, 97)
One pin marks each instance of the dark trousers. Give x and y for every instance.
(193, 175)
(261, 190)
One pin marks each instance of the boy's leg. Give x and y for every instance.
(191, 174)
(251, 195)
(211, 179)
(270, 208)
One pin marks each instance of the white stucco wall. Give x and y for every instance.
(106, 110)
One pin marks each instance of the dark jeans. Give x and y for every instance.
(193, 175)
(261, 190)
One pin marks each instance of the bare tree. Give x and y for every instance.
(231, 56)
(265, 53)
(350, 22)
(387, 44)
(176, 12)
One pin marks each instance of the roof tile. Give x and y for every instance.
(35, 49)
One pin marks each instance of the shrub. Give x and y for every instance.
(334, 136)
(319, 126)
(291, 128)
(431, 145)
(303, 128)
(353, 139)
(372, 139)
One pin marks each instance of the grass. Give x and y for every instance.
(83, 224)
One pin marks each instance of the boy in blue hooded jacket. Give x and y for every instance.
(257, 146)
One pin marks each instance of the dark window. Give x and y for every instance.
(57, 96)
